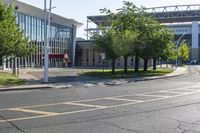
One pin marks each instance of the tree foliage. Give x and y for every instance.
(183, 52)
(124, 42)
(13, 42)
(135, 33)
(104, 43)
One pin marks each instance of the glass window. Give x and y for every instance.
(33, 29)
(39, 30)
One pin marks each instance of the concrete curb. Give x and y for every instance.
(23, 88)
(154, 78)
(141, 79)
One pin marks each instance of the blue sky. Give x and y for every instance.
(80, 9)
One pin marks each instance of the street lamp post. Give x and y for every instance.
(46, 39)
(45, 44)
(177, 43)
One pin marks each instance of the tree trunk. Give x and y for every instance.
(154, 63)
(113, 65)
(136, 63)
(14, 66)
(125, 64)
(18, 66)
(145, 64)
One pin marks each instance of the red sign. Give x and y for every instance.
(56, 55)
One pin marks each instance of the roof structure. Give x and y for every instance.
(39, 13)
(165, 14)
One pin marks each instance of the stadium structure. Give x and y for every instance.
(183, 20)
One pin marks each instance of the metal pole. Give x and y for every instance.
(49, 23)
(47, 39)
(45, 45)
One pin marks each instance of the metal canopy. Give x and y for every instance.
(165, 14)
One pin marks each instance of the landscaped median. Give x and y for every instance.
(10, 79)
(119, 73)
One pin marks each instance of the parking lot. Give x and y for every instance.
(88, 105)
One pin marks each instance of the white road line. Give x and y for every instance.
(156, 92)
(25, 118)
(87, 110)
(150, 100)
(150, 94)
(45, 116)
(87, 100)
(40, 105)
(80, 111)
(188, 88)
(85, 105)
(122, 99)
(175, 92)
(33, 111)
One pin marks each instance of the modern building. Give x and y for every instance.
(62, 36)
(183, 20)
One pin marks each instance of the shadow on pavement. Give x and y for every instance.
(65, 79)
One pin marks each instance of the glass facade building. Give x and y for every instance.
(61, 38)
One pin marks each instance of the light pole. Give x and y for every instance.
(46, 39)
(177, 43)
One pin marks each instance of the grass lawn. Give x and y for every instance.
(131, 73)
(9, 79)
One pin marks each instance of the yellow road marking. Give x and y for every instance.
(50, 114)
(85, 105)
(32, 111)
(140, 94)
(44, 116)
(88, 100)
(149, 94)
(41, 105)
(25, 118)
(122, 99)
(172, 91)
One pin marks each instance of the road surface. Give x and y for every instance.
(157, 106)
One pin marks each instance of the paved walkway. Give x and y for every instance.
(67, 78)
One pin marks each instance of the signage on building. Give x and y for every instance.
(180, 30)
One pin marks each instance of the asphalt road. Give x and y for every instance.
(157, 106)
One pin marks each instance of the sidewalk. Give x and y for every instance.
(74, 80)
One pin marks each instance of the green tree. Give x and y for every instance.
(137, 34)
(170, 52)
(13, 42)
(183, 52)
(104, 43)
(148, 28)
(161, 45)
(124, 25)
(124, 42)
(153, 39)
